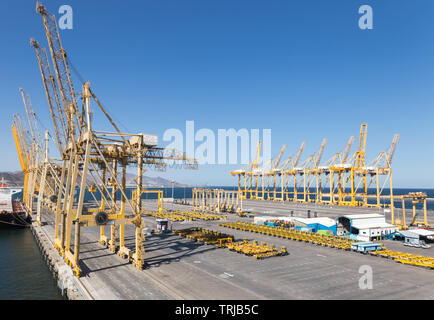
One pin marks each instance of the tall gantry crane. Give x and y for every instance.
(32, 140)
(73, 116)
(270, 168)
(337, 165)
(89, 158)
(348, 179)
(40, 172)
(246, 174)
(286, 173)
(57, 115)
(380, 169)
(24, 150)
(312, 170)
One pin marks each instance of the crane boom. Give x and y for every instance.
(21, 149)
(258, 152)
(319, 153)
(29, 114)
(63, 74)
(360, 154)
(297, 157)
(31, 118)
(391, 151)
(279, 157)
(52, 96)
(24, 141)
(347, 149)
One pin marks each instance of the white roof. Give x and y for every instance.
(321, 220)
(422, 232)
(265, 218)
(408, 234)
(286, 218)
(379, 225)
(343, 165)
(364, 216)
(370, 168)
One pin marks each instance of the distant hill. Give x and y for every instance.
(16, 179)
(152, 182)
(13, 179)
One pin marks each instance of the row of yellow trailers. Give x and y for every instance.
(177, 215)
(337, 242)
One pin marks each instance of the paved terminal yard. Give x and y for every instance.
(178, 268)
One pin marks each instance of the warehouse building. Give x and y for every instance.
(364, 226)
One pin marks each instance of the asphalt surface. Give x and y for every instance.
(178, 268)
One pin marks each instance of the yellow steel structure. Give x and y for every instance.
(266, 173)
(89, 160)
(159, 194)
(291, 234)
(326, 173)
(177, 215)
(406, 258)
(416, 198)
(287, 173)
(217, 200)
(337, 242)
(246, 174)
(348, 179)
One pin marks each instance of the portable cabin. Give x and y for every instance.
(365, 246)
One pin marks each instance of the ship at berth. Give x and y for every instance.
(12, 212)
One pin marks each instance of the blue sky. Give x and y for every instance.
(303, 69)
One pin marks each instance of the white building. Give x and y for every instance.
(365, 226)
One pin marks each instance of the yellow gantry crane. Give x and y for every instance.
(23, 150)
(313, 171)
(348, 179)
(289, 174)
(273, 171)
(88, 159)
(246, 175)
(336, 166)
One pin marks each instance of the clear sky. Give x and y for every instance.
(302, 68)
